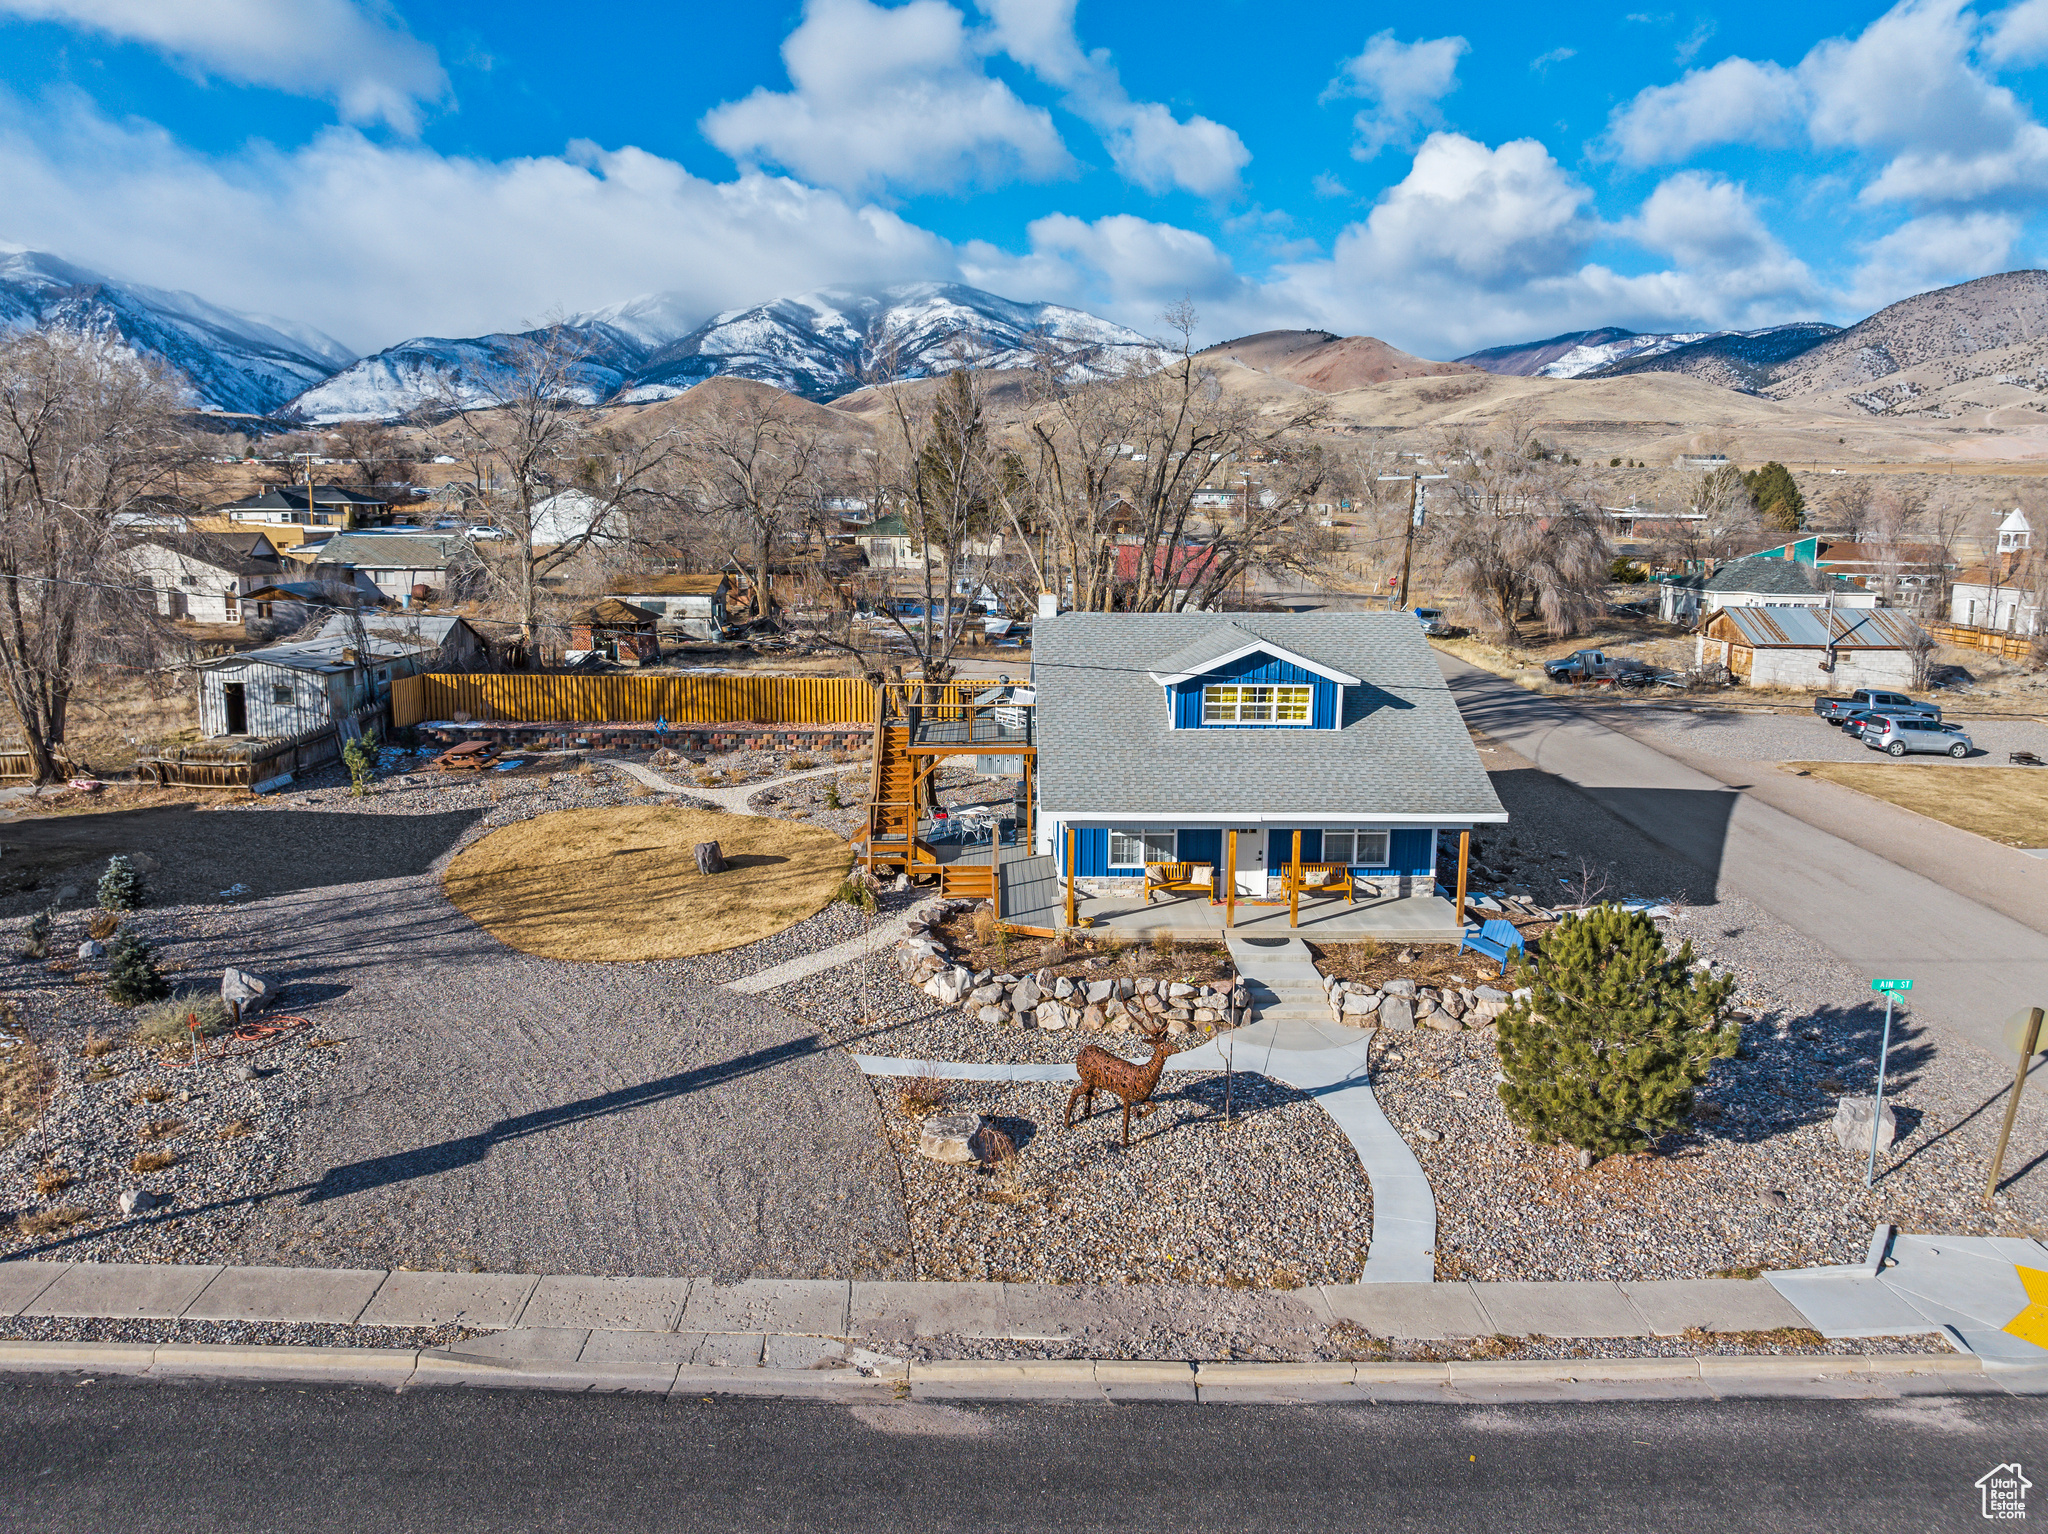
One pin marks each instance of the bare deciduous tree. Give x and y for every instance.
(87, 432)
(549, 474)
(751, 461)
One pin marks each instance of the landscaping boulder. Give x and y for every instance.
(88, 951)
(243, 992)
(1361, 1005)
(1177, 990)
(1026, 1017)
(1397, 1013)
(1100, 991)
(709, 859)
(1093, 1019)
(1852, 1125)
(1402, 987)
(1052, 1016)
(994, 1015)
(946, 1137)
(138, 1200)
(986, 995)
(1062, 988)
(1025, 997)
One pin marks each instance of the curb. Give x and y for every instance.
(1079, 1379)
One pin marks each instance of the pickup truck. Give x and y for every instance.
(1872, 701)
(1579, 666)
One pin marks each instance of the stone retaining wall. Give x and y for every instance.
(1112, 1004)
(1402, 1004)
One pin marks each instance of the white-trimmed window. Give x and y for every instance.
(1134, 849)
(1246, 703)
(1360, 849)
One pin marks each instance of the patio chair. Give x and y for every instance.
(1321, 878)
(1178, 878)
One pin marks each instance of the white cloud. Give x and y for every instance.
(1478, 245)
(1402, 82)
(1932, 252)
(1907, 89)
(2018, 34)
(888, 98)
(489, 245)
(1542, 62)
(1736, 101)
(1149, 145)
(360, 56)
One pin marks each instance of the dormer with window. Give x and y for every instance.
(1234, 680)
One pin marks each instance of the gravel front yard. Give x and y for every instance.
(1274, 1200)
(1759, 1180)
(484, 1108)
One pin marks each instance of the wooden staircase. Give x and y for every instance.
(892, 807)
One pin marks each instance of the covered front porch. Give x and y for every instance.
(1321, 918)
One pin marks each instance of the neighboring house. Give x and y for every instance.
(283, 607)
(399, 565)
(693, 603)
(299, 506)
(1758, 581)
(204, 577)
(571, 514)
(1159, 733)
(888, 544)
(1910, 565)
(1811, 648)
(2002, 595)
(284, 689)
(625, 631)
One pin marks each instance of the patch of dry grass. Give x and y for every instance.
(25, 1079)
(621, 884)
(236, 1129)
(162, 1129)
(2005, 804)
(52, 1180)
(47, 1222)
(97, 1044)
(153, 1161)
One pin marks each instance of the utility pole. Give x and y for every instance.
(1417, 512)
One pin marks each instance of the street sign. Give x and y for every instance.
(1891, 985)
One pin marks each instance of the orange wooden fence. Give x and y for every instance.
(634, 699)
(1991, 641)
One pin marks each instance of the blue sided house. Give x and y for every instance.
(1324, 739)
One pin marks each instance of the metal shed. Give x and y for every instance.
(1807, 647)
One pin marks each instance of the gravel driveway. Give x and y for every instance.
(1793, 738)
(493, 1109)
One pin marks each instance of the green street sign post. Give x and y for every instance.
(1890, 988)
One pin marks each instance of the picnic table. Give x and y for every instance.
(470, 756)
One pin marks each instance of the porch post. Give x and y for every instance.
(1464, 857)
(1070, 876)
(1294, 884)
(1230, 886)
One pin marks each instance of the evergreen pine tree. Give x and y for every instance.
(132, 975)
(360, 757)
(120, 885)
(1617, 1032)
(1777, 497)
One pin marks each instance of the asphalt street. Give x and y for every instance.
(1904, 905)
(114, 1456)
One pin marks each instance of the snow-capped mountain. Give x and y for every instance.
(230, 361)
(826, 343)
(819, 345)
(1577, 353)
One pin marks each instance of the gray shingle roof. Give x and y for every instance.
(1105, 749)
(1767, 577)
(398, 551)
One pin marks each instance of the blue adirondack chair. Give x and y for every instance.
(1497, 939)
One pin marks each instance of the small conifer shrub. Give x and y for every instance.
(120, 885)
(360, 757)
(132, 975)
(1605, 1051)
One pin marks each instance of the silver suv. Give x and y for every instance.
(1897, 735)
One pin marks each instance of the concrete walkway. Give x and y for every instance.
(733, 799)
(878, 940)
(1987, 1294)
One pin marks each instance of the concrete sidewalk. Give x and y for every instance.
(830, 1308)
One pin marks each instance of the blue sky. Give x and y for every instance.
(1443, 178)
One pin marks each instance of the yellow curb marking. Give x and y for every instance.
(2031, 1324)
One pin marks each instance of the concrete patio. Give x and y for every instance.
(1323, 918)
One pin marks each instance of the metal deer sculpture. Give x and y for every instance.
(1102, 1071)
